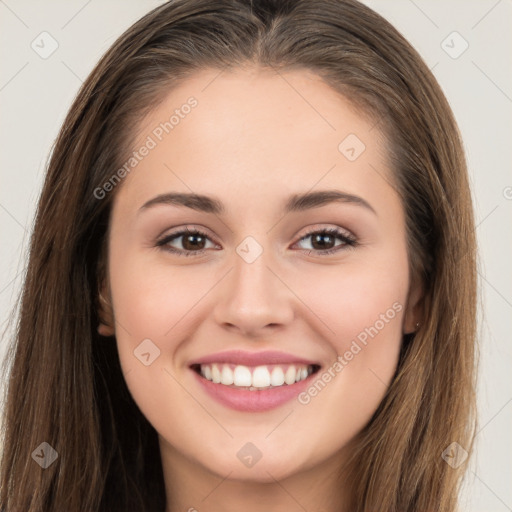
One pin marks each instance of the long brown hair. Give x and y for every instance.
(65, 385)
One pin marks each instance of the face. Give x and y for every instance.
(297, 305)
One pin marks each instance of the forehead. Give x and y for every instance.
(256, 133)
(238, 104)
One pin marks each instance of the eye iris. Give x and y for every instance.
(187, 239)
(320, 239)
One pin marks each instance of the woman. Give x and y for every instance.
(274, 367)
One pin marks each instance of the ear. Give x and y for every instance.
(414, 311)
(106, 313)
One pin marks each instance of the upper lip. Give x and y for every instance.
(252, 358)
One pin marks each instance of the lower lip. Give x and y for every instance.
(253, 401)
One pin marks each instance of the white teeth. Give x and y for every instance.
(261, 377)
(254, 378)
(215, 374)
(226, 377)
(277, 377)
(242, 376)
(289, 376)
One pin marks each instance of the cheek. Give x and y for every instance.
(363, 308)
(354, 300)
(149, 298)
(153, 307)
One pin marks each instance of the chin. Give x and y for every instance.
(247, 463)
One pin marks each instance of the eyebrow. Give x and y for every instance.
(295, 203)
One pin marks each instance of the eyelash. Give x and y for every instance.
(348, 242)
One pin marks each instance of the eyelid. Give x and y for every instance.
(181, 231)
(328, 228)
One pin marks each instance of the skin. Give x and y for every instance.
(255, 138)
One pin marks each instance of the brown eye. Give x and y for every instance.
(323, 241)
(192, 242)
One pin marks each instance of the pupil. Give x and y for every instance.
(321, 240)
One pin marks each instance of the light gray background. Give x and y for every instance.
(35, 94)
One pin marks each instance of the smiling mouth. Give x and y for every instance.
(255, 378)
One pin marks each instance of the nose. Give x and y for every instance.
(254, 299)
